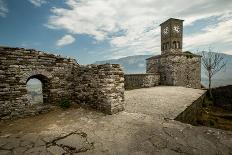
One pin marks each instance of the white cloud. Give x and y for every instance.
(221, 32)
(65, 40)
(228, 52)
(132, 26)
(141, 65)
(3, 8)
(38, 3)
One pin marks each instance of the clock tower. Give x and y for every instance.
(171, 36)
(174, 67)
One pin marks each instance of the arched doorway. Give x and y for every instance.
(38, 89)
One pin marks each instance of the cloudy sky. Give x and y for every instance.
(91, 30)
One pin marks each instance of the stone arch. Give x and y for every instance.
(174, 44)
(27, 75)
(45, 86)
(163, 46)
(44, 77)
(178, 44)
(34, 91)
(167, 45)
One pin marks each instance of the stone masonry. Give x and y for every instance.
(176, 68)
(101, 87)
(98, 86)
(141, 80)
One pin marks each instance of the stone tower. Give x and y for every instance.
(175, 67)
(171, 36)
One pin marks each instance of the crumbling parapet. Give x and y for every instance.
(60, 78)
(101, 87)
(133, 81)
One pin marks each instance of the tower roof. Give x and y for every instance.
(171, 19)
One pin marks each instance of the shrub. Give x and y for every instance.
(212, 123)
(64, 103)
(204, 105)
(208, 102)
(189, 54)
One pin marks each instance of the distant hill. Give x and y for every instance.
(137, 64)
(130, 64)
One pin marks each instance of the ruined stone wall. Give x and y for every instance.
(17, 66)
(153, 65)
(177, 69)
(141, 80)
(59, 77)
(101, 87)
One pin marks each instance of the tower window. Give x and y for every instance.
(163, 47)
(167, 44)
(174, 44)
(178, 44)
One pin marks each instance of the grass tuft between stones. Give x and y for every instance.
(64, 103)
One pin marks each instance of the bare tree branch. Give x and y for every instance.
(212, 62)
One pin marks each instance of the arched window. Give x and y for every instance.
(174, 44)
(163, 47)
(38, 88)
(167, 44)
(34, 90)
(178, 44)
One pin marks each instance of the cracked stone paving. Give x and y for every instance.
(147, 126)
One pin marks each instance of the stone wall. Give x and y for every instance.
(141, 80)
(153, 65)
(59, 77)
(177, 69)
(17, 66)
(101, 87)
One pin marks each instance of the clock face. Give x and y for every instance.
(165, 30)
(176, 29)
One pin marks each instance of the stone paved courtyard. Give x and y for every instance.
(145, 127)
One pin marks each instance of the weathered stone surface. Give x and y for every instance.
(60, 78)
(141, 80)
(145, 127)
(101, 87)
(56, 150)
(191, 113)
(176, 69)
